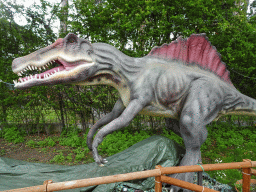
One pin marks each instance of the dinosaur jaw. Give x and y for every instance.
(55, 71)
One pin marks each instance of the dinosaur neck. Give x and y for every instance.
(111, 59)
(115, 69)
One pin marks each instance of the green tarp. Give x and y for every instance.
(145, 155)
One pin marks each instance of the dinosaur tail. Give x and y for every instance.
(239, 104)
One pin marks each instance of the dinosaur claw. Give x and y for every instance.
(104, 161)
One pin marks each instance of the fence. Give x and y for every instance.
(158, 173)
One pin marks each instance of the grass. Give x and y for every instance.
(225, 143)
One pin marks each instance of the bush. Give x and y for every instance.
(13, 135)
(50, 142)
(32, 144)
(121, 140)
(70, 138)
(58, 158)
(228, 143)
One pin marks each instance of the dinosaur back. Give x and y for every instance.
(196, 49)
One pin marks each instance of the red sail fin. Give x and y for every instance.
(196, 49)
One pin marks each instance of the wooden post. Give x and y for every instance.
(246, 177)
(158, 182)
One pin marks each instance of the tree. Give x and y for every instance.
(135, 27)
(17, 41)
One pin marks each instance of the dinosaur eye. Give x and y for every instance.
(89, 51)
(72, 40)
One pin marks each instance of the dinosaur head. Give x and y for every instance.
(67, 60)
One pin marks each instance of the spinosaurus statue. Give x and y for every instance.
(184, 81)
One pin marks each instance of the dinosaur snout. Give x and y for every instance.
(17, 62)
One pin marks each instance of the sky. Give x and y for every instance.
(21, 20)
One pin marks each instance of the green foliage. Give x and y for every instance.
(44, 143)
(32, 144)
(69, 157)
(227, 143)
(70, 138)
(80, 154)
(12, 134)
(50, 142)
(2, 152)
(171, 135)
(121, 140)
(135, 27)
(58, 158)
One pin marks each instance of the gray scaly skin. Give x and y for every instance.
(189, 96)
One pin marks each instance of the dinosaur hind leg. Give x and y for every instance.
(200, 108)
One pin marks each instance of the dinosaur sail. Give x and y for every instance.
(196, 49)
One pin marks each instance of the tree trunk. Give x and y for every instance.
(63, 18)
(61, 110)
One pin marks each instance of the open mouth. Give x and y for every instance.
(50, 69)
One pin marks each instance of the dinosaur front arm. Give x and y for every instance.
(134, 107)
(117, 110)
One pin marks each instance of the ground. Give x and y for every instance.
(23, 152)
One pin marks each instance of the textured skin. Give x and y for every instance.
(185, 81)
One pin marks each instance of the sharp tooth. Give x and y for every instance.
(58, 69)
(39, 68)
(29, 68)
(55, 71)
(43, 67)
(32, 67)
(36, 76)
(39, 76)
(35, 67)
(14, 82)
(19, 74)
(25, 69)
